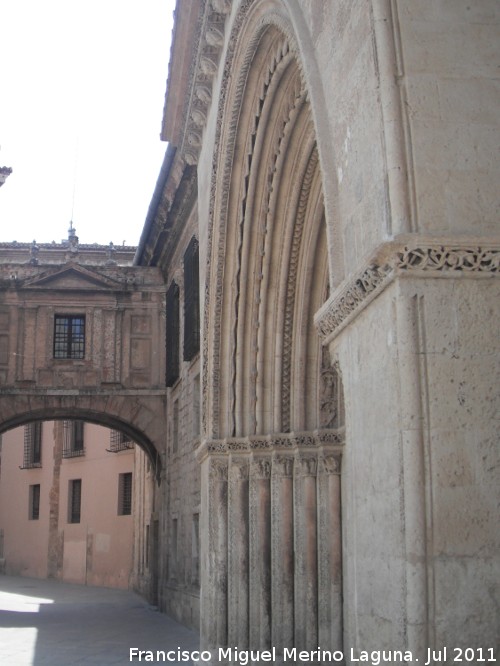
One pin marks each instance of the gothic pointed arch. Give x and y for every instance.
(268, 261)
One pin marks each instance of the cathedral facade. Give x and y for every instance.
(318, 453)
(332, 163)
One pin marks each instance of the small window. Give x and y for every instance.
(196, 406)
(74, 500)
(34, 499)
(195, 550)
(191, 301)
(175, 428)
(69, 336)
(73, 444)
(125, 494)
(32, 445)
(172, 325)
(119, 441)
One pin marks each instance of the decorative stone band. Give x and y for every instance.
(404, 259)
(296, 442)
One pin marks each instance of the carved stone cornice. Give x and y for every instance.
(405, 257)
(315, 440)
(186, 132)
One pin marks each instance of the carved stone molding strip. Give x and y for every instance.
(403, 260)
(449, 258)
(296, 441)
(216, 240)
(210, 41)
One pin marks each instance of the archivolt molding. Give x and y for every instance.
(227, 126)
(291, 290)
(427, 258)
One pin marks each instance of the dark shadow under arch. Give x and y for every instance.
(89, 416)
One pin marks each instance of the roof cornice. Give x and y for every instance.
(200, 24)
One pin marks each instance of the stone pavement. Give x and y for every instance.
(46, 622)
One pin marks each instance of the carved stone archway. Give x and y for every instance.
(271, 575)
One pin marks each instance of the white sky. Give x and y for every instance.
(82, 85)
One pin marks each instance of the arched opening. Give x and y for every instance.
(269, 268)
(273, 400)
(70, 488)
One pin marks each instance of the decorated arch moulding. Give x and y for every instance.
(408, 256)
(230, 100)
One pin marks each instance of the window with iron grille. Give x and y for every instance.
(34, 500)
(125, 494)
(119, 441)
(32, 445)
(191, 301)
(73, 442)
(74, 500)
(172, 334)
(69, 336)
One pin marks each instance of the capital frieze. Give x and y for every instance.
(411, 256)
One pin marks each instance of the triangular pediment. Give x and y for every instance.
(72, 277)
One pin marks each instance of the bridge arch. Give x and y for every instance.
(139, 423)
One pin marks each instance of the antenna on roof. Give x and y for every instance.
(71, 231)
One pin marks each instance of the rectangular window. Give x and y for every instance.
(191, 301)
(74, 500)
(32, 445)
(196, 406)
(34, 499)
(69, 336)
(172, 325)
(73, 444)
(195, 550)
(119, 441)
(175, 428)
(125, 494)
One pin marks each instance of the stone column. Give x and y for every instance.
(283, 552)
(329, 553)
(306, 553)
(238, 559)
(260, 553)
(214, 564)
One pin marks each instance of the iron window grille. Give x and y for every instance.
(125, 494)
(32, 445)
(73, 441)
(34, 500)
(172, 326)
(191, 301)
(119, 441)
(69, 336)
(74, 500)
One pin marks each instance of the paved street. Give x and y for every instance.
(48, 622)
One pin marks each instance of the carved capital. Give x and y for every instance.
(283, 466)
(218, 470)
(330, 464)
(261, 468)
(240, 470)
(306, 465)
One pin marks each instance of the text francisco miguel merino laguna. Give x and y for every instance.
(294, 655)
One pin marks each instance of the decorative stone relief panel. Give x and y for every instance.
(419, 259)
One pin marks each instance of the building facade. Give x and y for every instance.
(335, 159)
(321, 257)
(66, 503)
